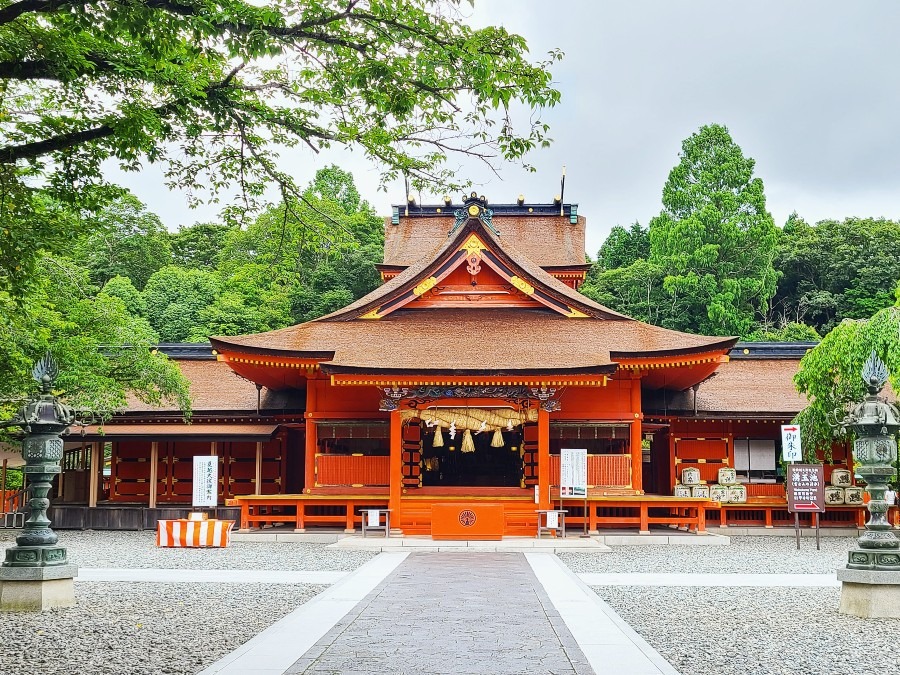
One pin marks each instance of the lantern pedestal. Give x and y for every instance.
(36, 589)
(871, 594)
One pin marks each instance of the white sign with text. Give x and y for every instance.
(206, 480)
(573, 472)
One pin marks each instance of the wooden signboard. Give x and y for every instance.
(806, 488)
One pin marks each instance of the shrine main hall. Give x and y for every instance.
(451, 389)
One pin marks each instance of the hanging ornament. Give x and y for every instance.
(482, 427)
(497, 440)
(438, 441)
(509, 425)
(468, 445)
(452, 430)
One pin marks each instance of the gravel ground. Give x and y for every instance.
(143, 629)
(138, 549)
(757, 631)
(745, 555)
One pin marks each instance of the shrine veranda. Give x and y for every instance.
(452, 388)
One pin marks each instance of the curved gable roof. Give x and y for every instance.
(451, 253)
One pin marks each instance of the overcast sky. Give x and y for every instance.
(809, 89)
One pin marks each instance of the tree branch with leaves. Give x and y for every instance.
(197, 84)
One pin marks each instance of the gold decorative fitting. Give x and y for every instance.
(473, 245)
(522, 285)
(474, 210)
(575, 314)
(371, 315)
(425, 286)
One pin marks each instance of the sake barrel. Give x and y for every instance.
(727, 476)
(834, 495)
(737, 494)
(853, 495)
(682, 491)
(841, 478)
(690, 476)
(700, 491)
(718, 493)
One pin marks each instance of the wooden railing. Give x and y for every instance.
(353, 470)
(602, 470)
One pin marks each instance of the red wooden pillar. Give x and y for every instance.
(637, 467)
(311, 447)
(396, 466)
(543, 459)
(312, 441)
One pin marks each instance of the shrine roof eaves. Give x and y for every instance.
(599, 369)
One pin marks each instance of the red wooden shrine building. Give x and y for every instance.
(454, 386)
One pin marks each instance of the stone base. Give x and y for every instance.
(35, 556)
(875, 559)
(870, 594)
(36, 589)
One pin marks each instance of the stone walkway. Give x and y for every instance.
(467, 613)
(451, 613)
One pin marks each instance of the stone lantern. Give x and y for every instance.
(36, 574)
(871, 581)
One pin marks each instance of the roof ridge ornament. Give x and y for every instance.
(474, 207)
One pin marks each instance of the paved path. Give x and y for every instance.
(451, 613)
(497, 613)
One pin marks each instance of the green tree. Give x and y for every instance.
(198, 245)
(251, 300)
(175, 297)
(104, 352)
(835, 270)
(623, 247)
(789, 332)
(213, 89)
(829, 375)
(122, 288)
(128, 240)
(714, 239)
(635, 290)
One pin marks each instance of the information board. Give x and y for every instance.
(573, 472)
(206, 480)
(805, 488)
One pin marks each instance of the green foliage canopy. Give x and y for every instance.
(213, 88)
(126, 240)
(835, 270)
(623, 247)
(175, 296)
(830, 375)
(714, 239)
(103, 351)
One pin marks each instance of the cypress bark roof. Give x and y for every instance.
(569, 333)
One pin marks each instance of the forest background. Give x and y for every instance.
(214, 91)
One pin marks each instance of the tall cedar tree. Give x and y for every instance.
(714, 239)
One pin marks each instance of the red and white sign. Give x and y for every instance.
(791, 450)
